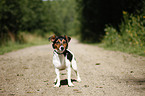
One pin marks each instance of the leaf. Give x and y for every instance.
(86, 85)
(97, 63)
(20, 74)
(46, 81)
(99, 87)
(30, 92)
(75, 90)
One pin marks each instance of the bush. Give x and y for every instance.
(130, 38)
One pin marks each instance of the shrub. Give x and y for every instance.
(131, 34)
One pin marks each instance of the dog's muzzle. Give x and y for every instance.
(60, 50)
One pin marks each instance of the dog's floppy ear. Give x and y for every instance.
(52, 38)
(67, 38)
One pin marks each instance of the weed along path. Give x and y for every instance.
(30, 72)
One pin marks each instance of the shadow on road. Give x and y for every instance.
(65, 82)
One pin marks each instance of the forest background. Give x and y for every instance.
(117, 24)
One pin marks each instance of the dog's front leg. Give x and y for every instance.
(57, 77)
(69, 77)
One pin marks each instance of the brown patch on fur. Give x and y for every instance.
(67, 38)
(57, 44)
(64, 43)
(52, 38)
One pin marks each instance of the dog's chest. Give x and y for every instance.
(59, 61)
(61, 58)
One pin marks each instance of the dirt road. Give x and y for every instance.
(30, 72)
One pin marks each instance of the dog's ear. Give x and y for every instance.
(67, 38)
(52, 38)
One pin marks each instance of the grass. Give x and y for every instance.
(122, 48)
(30, 40)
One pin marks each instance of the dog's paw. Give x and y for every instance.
(56, 85)
(70, 85)
(79, 80)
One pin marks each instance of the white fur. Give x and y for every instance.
(60, 63)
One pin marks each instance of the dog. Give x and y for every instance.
(63, 58)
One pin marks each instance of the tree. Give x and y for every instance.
(58, 16)
(9, 19)
(33, 15)
(62, 15)
(96, 14)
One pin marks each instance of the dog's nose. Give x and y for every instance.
(62, 48)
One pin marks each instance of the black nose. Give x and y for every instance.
(62, 48)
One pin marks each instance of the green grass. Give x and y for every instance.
(122, 48)
(30, 40)
(15, 46)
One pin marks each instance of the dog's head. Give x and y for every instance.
(60, 43)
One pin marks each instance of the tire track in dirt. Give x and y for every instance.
(30, 72)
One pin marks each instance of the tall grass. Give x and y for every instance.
(29, 39)
(130, 38)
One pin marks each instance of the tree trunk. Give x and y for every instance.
(12, 36)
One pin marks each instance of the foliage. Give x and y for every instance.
(131, 35)
(16, 16)
(9, 20)
(63, 17)
(97, 13)
(135, 7)
(33, 12)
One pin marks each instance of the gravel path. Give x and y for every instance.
(30, 72)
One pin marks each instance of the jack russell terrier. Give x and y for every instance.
(63, 58)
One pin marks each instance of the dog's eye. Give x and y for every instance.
(64, 42)
(58, 42)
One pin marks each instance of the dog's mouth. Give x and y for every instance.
(60, 50)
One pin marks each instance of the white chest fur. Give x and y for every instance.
(59, 61)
